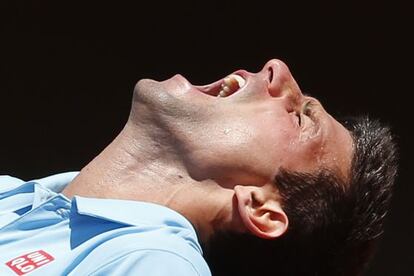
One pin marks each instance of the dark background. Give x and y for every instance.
(67, 72)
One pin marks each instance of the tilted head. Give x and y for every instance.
(289, 174)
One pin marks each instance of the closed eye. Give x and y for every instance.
(299, 118)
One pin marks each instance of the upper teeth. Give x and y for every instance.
(231, 84)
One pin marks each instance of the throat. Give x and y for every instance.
(127, 171)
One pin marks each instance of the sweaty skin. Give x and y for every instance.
(183, 146)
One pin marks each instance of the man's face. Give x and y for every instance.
(243, 138)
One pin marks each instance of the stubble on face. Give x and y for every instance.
(219, 138)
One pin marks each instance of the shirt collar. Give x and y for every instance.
(129, 212)
(136, 213)
(56, 182)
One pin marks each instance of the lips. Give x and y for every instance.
(216, 88)
(211, 89)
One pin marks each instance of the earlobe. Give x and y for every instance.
(260, 212)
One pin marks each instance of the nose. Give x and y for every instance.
(280, 81)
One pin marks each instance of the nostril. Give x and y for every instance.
(270, 74)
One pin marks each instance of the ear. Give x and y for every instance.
(260, 212)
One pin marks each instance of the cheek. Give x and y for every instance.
(305, 156)
(274, 140)
(276, 129)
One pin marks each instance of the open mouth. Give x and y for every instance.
(224, 87)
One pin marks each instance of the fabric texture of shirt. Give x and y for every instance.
(44, 233)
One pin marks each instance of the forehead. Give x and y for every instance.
(336, 143)
(332, 148)
(338, 147)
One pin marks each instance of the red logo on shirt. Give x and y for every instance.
(29, 262)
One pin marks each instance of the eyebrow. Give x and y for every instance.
(318, 119)
(313, 99)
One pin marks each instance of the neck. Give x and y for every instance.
(136, 167)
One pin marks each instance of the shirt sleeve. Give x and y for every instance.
(149, 262)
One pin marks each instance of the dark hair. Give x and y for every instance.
(334, 225)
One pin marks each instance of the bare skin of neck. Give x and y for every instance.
(135, 167)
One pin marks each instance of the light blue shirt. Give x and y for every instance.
(44, 233)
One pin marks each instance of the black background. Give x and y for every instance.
(67, 72)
